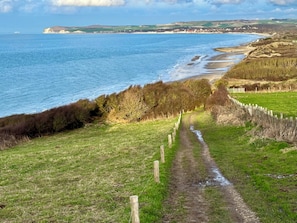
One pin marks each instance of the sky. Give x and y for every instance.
(32, 16)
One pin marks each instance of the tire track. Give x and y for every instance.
(186, 202)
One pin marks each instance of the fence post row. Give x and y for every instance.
(279, 127)
(134, 199)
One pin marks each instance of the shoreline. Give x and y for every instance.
(225, 61)
(214, 68)
(219, 64)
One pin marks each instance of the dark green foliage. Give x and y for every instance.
(208, 24)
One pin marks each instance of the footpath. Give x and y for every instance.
(187, 201)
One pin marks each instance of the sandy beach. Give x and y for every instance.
(219, 64)
(243, 49)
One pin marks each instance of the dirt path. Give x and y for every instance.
(187, 202)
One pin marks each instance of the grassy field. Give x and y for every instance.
(259, 168)
(279, 102)
(86, 175)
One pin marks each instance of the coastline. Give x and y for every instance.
(218, 65)
(211, 68)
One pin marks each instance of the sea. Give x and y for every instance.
(43, 71)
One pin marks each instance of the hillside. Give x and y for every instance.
(88, 174)
(270, 65)
(260, 26)
(85, 175)
(131, 105)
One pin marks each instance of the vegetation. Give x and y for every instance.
(134, 104)
(263, 171)
(218, 98)
(265, 26)
(270, 66)
(269, 69)
(154, 100)
(86, 175)
(279, 102)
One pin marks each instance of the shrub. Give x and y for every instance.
(7, 141)
(219, 97)
(201, 89)
(133, 104)
(153, 100)
(54, 120)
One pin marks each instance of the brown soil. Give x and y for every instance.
(186, 202)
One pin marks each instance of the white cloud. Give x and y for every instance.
(224, 2)
(5, 6)
(29, 7)
(85, 3)
(158, 2)
(285, 11)
(291, 10)
(283, 2)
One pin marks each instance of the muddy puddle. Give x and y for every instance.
(218, 178)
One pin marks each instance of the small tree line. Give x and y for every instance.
(134, 199)
(274, 126)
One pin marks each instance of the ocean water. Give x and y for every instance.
(39, 72)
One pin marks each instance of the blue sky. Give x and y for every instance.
(32, 16)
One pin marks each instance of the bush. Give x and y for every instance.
(218, 98)
(133, 104)
(54, 120)
(154, 100)
(7, 141)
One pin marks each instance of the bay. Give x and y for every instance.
(39, 72)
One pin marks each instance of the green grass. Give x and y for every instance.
(260, 171)
(86, 175)
(218, 209)
(279, 102)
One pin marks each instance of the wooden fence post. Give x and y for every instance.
(156, 171)
(176, 125)
(134, 209)
(162, 154)
(170, 141)
(173, 134)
